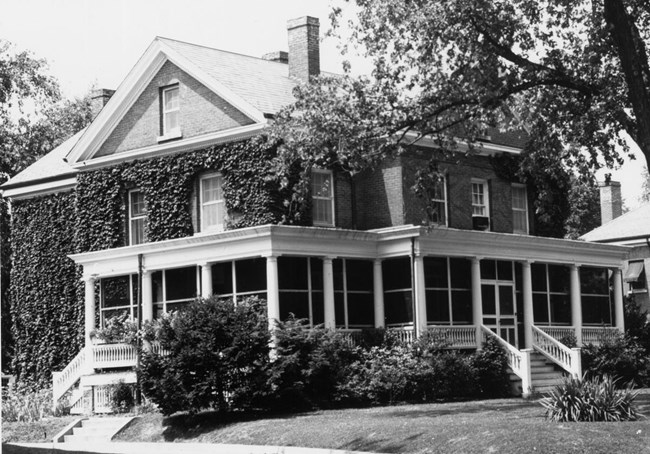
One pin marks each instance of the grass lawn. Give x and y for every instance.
(500, 426)
(36, 432)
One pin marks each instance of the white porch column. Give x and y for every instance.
(527, 292)
(90, 305)
(328, 293)
(272, 291)
(147, 296)
(477, 300)
(576, 303)
(619, 312)
(420, 297)
(378, 290)
(206, 280)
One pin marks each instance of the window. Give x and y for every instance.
(322, 194)
(300, 282)
(240, 278)
(398, 296)
(213, 206)
(137, 217)
(174, 288)
(117, 297)
(519, 209)
(170, 112)
(479, 198)
(438, 202)
(595, 292)
(448, 286)
(353, 293)
(635, 277)
(551, 294)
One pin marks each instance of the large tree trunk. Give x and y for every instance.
(634, 63)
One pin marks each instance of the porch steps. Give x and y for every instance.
(97, 430)
(544, 374)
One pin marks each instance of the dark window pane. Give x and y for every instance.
(134, 289)
(316, 273)
(461, 273)
(398, 307)
(560, 309)
(538, 271)
(157, 286)
(488, 269)
(251, 275)
(339, 309)
(171, 307)
(115, 291)
(115, 313)
(594, 281)
(435, 272)
(296, 303)
(518, 277)
(438, 306)
(359, 274)
(504, 270)
(222, 278)
(292, 273)
(506, 300)
(489, 300)
(361, 310)
(397, 273)
(337, 266)
(596, 310)
(318, 308)
(180, 283)
(558, 278)
(540, 308)
(461, 306)
(157, 311)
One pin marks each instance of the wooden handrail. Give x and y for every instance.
(556, 351)
(518, 360)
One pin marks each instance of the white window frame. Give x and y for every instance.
(329, 198)
(131, 307)
(442, 181)
(486, 198)
(520, 210)
(136, 218)
(163, 291)
(203, 204)
(345, 292)
(172, 133)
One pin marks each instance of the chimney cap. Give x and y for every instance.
(603, 184)
(280, 56)
(101, 93)
(301, 21)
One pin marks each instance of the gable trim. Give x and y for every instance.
(132, 88)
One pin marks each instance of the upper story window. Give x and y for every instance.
(170, 112)
(212, 203)
(322, 194)
(480, 205)
(438, 202)
(519, 209)
(137, 216)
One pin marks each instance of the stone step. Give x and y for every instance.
(96, 429)
(546, 382)
(546, 376)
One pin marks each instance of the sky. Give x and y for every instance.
(96, 42)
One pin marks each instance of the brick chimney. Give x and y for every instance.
(99, 98)
(278, 56)
(611, 202)
(304, 48)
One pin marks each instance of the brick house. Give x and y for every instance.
(364, 260)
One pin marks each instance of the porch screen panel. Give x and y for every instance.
(353, 293)
(595, 291)
(300, 282)
(551, 294)
(180, 287)
(117, 297)
(250, 277)
(448, 290)
(398, 298)
(222, 284)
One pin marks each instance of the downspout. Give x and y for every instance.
(138, 389)
(413, 290)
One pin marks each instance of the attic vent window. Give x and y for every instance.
(170, 110)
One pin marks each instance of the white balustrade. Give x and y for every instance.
(62, 381)
(457, 336)
(558, 332)
(102, 399)
(404, 334)
(560, 354)
(518, 360)
(114, 355)
(597, 334)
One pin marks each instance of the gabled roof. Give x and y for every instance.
(633, 225)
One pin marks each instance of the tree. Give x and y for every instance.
(645, 186)
(573, 74)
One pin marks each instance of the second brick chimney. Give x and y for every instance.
(611, 202)
(304, 48)
(99, 98)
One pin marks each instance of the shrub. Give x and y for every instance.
(122, 399)
(216, 355)
(25, 405)
(448, 375)
(491, 370)
(596, 399)
(309, 365)
(618, 356)
(637, 325)
(118, 328)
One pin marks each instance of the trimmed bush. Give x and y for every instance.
(216, 357)
(618, 356)
(491, 370)
(122, 399)
(596, 399)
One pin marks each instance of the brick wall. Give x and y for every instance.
(201, 111)
(379, 200)
(343, 197)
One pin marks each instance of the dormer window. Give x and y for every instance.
(170, 109)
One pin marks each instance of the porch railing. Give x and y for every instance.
(518, 360)
(457, 336)
(114, 355)
(560, 354)
(63, 381)
(558, 332)
(404, 334)
(596, 334)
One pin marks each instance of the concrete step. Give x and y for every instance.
(96, 429)
(546, 376)
(546, 382)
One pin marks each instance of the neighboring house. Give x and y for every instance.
(631, 229)
(164, 193)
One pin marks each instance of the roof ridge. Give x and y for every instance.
(163, 38)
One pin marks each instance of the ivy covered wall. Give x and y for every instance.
(46, 310)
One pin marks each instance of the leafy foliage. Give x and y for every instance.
(637, 325)
(46, 292)
(118, 328)
(217, 355)
(596, 399)
(619, 356)
(27, 405)
(122, 399)
(491, 368)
